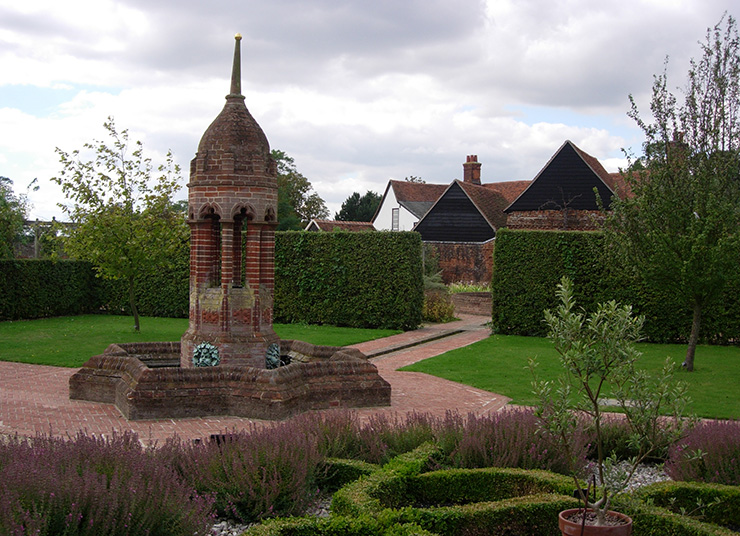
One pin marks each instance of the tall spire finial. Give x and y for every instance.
(236, 71)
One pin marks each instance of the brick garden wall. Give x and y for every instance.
(464, 261)
(555, 220)
(472, 303)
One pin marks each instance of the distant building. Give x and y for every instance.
(336, 225)
(563, 195)
(404, 203)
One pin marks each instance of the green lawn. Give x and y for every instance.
(69, 341)
(499, 364)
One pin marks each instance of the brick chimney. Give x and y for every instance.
(471, 169)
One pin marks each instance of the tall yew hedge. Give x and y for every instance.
(346, 279)
(527, 266)
(371, 279)
(40, 288)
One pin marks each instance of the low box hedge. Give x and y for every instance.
(463, 486)
(696, 499)
(336, 472)
(409, 496)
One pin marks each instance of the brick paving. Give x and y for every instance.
(35, 398)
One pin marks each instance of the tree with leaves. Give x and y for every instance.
(680, 227)
(359, 207)
(12, 214)
(125, 222)
(297, 202)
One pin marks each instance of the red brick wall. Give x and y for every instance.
(463, 261)
(576, 220)
(473, 303)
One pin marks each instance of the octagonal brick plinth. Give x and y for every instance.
(143, 383)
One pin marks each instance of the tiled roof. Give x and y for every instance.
(619, 185)
(417, 191)
(336, 225)
(417, 197)
(510, 190)
(490, 203)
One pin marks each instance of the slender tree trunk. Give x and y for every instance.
(688, 363)
(132, 304)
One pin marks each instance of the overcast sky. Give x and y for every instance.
(357, 92)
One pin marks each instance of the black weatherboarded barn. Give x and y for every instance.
(567, 181)
(464, 213)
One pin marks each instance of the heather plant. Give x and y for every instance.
(709, 453)
(511, 439)
(90, 486)
(254, 474)
(335, 433)
(386, 436)
(382, 437)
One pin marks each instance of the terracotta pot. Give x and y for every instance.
(568, 528)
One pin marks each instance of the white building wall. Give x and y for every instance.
(384, 219)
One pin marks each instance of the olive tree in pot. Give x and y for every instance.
(598, 354)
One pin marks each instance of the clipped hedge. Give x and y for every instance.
(368, 280)
(528, 265)
(399, 490)
(162, 293)
(697, 499)
(337, 472)
(338, 526)
(42, 288)
(649, 520)
(462, 486)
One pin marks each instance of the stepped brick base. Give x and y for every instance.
(140, 381)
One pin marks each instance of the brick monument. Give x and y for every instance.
(232, 213)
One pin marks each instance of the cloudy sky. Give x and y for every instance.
(356, 91)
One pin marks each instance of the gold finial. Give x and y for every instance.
(238, 37)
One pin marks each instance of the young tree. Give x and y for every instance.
(679, 229)
(297, 202)
(12, 214)
(359, 208)
(124, 219)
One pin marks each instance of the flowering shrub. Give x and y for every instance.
(502, 439)
(253, 474)
(91, 486)
(511, 439)
(438, 306)
(468, 286)
(710, 453)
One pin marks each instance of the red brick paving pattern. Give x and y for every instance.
(35, 398)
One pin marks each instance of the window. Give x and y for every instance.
(395, 217)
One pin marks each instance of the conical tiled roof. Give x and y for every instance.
(234, 150)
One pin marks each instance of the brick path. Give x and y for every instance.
(34, 398)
